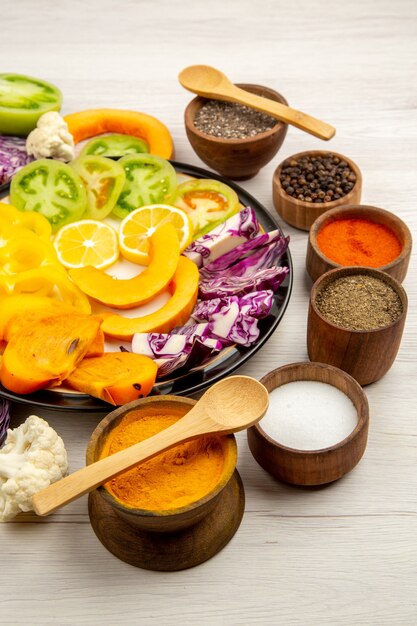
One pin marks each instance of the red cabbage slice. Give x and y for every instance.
(241, 252)
(187, 345)
(4, 418)
(13, 156)
(217, 287)
(257, 304)
(235, 230)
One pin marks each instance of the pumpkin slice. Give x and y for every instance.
(17, 311)
(44, 354)
(115, 377)
(184, 289)
(164, 254)
(94, 122)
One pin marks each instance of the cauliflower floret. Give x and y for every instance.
(51, 138)
(32, 458)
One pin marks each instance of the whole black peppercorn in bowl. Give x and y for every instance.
(308, 184)
(233, 139)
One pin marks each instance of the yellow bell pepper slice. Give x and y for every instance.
(23, 253)
(51, 281)
(30, 220)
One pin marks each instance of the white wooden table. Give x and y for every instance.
(340, 555)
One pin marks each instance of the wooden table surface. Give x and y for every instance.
(341, 555)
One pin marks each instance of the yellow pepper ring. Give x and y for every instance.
(94, 122)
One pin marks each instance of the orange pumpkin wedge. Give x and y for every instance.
(44, 354)
(115, 377)
(94, 122)
(17, 311)
(164, 254)
(176, 312)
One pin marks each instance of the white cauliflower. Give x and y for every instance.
(32, 458)
(51, 138)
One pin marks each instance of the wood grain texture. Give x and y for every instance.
(238, 159)
(336, 556)
(170, 551)
(303, 214)
(367, 355)
(312, 467)
(317, 263)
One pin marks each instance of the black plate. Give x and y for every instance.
(191, 382)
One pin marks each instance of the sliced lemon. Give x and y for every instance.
(87, 242)
(139, 225)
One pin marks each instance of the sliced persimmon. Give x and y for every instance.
(115, 377)
(45, 353)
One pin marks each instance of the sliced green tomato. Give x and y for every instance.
(115, 146)
(23, 100)
(104, 180)
(51, 188)
(149, 180)
(207, 202)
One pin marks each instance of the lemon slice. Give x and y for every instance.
(87, 242)
(139, 225)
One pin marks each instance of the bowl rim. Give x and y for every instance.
(323, 206)
(349, 270)
(346, 209)
(229, 448)
(363, 417)
(200, 100)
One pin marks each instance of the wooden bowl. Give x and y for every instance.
(302, 214)
(364, 354)
(160, 521)
(317, 263)
(239, 159)
(312, 467)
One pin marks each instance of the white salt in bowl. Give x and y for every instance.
(312, 434)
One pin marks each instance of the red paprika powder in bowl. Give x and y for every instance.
(358, 235)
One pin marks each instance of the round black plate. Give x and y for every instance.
(186, 383)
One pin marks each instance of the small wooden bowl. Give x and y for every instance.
(317, 263)
(160, 521)
(312, 467)
(239, 159)
(302, 214)
(364, 354)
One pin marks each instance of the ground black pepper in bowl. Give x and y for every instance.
(359, 302)
(229, 120)
(317, 178)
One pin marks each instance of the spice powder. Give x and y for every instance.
(359, 302)
(173, 479)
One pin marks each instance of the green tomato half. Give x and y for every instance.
(51, 188)
(207, 203)
(115, 145)
(149, 180)
(23, 100)
(103, 179)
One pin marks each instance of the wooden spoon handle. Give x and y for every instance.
(282, 112)
(84, 480)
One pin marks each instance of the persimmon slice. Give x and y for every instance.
(45, 352)
(115, 377)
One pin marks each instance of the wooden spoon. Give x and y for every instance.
(208, 82)
(232, 404)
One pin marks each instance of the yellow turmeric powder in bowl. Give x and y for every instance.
(173, 479)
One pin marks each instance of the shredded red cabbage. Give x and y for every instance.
(235, 230)
(4, 418)
(13, 156)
